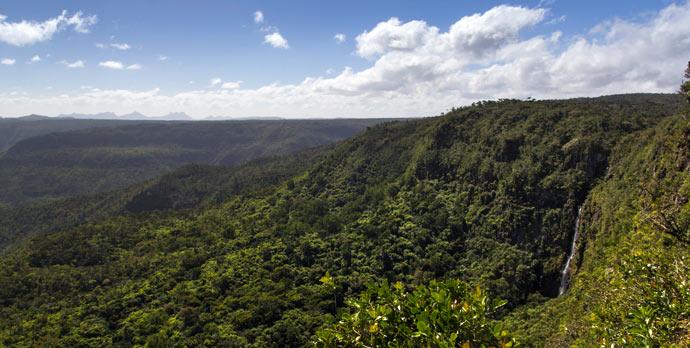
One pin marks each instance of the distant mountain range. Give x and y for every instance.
(173, 116)
(138, 116)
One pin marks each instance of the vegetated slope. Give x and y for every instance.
(486, 193)
(13, 130)
(631, 288)
(65, 164)
(191, 186)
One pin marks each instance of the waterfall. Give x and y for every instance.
(565, 277)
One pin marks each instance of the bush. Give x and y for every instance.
(441, 314)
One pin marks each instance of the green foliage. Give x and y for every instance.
(648, 302)
(632, 287)
(192, 186)
(233, 257)
(649, 289)
(441, 314)
(685, 86)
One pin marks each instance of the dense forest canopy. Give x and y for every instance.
(472, 212)
(95, 157)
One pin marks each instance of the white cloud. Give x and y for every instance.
(276, 40)
(120, 46)
(116, 65)
(231, 85)
(470, 37)
(162, 58)
(79, 23)
(26, 33)
(393, 35)
(35, 59)
(218, 82)
(8, 61)
(111, 64)
(340, 38)
(480, 34)
(74, 65)
(258, 17)
(418, 69)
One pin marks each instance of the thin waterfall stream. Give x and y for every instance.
(565, 276)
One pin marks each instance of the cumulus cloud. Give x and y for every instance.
(231, 85)
(258, 17)
(418, 69)
(111, 64)
(393, 35)
(218, 82)
(8, 61)
(116, 65)
(340, 38)
(73, 65)
(276, 40)
(26, 33)
(162, 58)
(35, 59)
(480, 34)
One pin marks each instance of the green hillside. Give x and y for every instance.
(488, 194)
(631, 288)
(14, 130)
(186, 188)
(65, 164)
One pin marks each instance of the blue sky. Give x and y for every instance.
(176, 49)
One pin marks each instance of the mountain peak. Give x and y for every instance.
(136, 115)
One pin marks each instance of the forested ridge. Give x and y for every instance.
(14, 130)
(463, 220)
(102, 158)
(188, 187)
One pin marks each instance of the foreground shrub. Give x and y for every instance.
(441, 314)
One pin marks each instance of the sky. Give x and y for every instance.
(326, 59)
